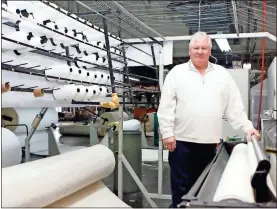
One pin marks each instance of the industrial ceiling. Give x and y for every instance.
(175, 18)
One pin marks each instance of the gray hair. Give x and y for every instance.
(198, 35)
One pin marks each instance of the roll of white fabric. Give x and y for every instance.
(235, 182)
(43, 182)
(11, 149)
(95, 195)
(26, 116)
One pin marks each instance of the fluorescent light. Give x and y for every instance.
(223, 44)
(134, 79)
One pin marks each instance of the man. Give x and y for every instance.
(194, 98)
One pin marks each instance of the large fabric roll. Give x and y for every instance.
(11, 149)
(235, 182)
(95, 195)
(26, 116)
(48, 180)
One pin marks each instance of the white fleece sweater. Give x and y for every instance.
(192, 106)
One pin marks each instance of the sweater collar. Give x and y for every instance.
(192, 67)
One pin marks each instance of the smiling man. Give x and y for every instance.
(194, 98)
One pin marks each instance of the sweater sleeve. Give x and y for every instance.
(167, 106)
(234, 111)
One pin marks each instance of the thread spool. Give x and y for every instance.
(60, 71)
(89, 49)
(20, 36)
(100, 61)
(81, 92)
(93, 37)
(103, 78)
(93, 92)
(106, 79)
(5, 87)
(38, 92)
(97, 91)
(105, 62)
(89, 58)
(102, 54)
(82, 75)
(66, 92)
(74, 73)
(90, 94)
(72, 33)
(34, 41)
(97, 76)
(8, 31)
(103, 92)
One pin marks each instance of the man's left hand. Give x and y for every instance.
(251, 132)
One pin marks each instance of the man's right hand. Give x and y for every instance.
(170, 143)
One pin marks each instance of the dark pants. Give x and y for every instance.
(186, 163)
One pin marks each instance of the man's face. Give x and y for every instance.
(200, 51)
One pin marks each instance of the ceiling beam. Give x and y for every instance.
(214, 36)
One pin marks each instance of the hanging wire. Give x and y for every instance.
(199, 16)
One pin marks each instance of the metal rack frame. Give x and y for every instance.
(66, 57)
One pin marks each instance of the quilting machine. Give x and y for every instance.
(227, 181)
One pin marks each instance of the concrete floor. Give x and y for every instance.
(149, 180)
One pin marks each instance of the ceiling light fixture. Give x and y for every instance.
(134, 79)
(223, 44)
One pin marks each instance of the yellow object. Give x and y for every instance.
(113, 104)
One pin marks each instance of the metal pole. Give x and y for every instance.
(120, 153)
(138, 182)
(109, 54)
(262, 159)
(35, 124)
(160, 153)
